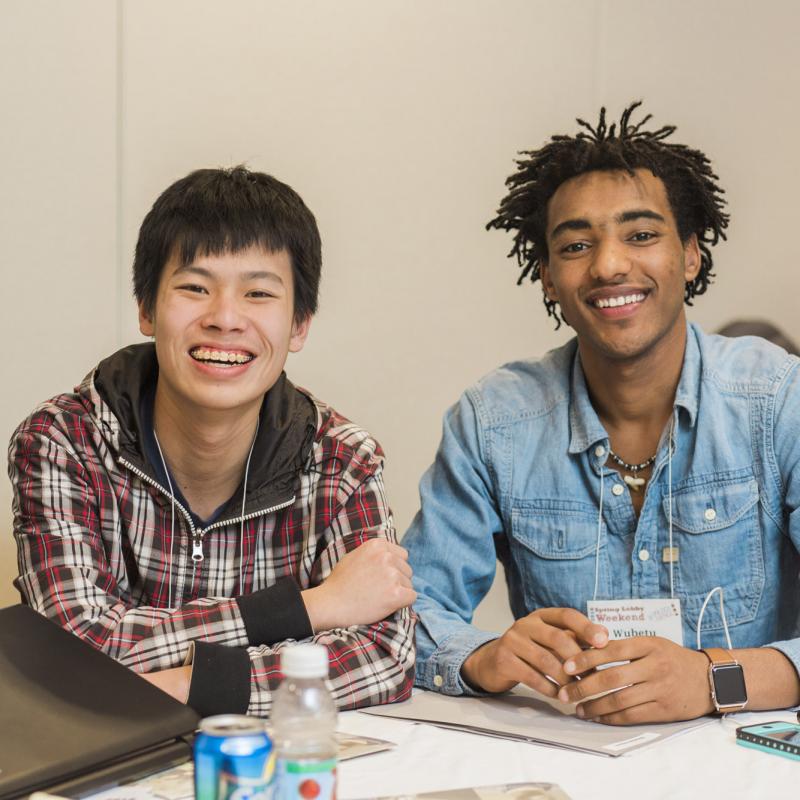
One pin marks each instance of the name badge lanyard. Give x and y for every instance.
(669, 519)
(671, 550)
(639, 616)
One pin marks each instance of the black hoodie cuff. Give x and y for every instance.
(276, 613)
(220, 679)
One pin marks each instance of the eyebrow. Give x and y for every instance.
(639, 213)
(253, 275)
(582, 224)
(262, 274)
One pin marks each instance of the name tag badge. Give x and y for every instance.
(627, 618)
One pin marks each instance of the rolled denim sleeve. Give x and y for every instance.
(786, 444)
(451, 550)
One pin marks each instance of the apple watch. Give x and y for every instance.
(726, 679)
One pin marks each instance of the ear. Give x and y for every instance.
(548, 287)
(146, 324)
(692, 259)
(299, 333)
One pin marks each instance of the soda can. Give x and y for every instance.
(233, 759)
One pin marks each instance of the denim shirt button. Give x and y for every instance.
(617, 489)
(710, 514)
(438, 680)
(599, 451)
(644, 555)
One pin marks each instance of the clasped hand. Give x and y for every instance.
(366, 585)
(547, 651)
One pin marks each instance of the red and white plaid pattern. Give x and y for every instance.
(94, 545)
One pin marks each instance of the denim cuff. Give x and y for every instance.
(442, 671)
(791, 649)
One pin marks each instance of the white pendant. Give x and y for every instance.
(634, 483)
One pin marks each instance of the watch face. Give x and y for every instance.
(729, 685)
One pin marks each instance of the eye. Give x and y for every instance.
(643, 236)
(193, 287)
(260, 294)
(574, 247)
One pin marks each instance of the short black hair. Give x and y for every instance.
(695, 198)
(215, 211)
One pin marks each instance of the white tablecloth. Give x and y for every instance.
(705, 763)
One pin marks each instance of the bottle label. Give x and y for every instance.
(306, 779)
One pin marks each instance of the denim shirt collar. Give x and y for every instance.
(586, 429)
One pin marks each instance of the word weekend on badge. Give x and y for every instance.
(627, 618)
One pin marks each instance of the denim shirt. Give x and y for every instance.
(518, 477)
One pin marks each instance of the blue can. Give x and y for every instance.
(233, 759)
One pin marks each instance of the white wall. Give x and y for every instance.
(398, 123)
(58, 206)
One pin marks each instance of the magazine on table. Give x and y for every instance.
(526, 716)
(508, 791)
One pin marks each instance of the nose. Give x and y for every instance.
(610, 260)
(222, 313)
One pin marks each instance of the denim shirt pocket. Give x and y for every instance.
(716, 528)
(554, 544)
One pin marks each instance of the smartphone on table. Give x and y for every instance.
(780, 738)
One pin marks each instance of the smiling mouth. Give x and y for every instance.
(220, 358)
(616, 302)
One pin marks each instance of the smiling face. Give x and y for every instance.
(223, 327)
(617, 265)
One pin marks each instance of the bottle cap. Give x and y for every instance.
(305, 661)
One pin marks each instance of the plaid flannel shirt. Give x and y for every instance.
(96, 553)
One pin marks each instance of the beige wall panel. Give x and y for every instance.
(398, 123)
(57, 208)
(727, 76)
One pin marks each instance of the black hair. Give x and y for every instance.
(695, 198)
(215, 211)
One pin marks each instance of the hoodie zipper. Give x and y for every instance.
(198, 533)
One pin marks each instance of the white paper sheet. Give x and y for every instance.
(527, 716)
(509, 791)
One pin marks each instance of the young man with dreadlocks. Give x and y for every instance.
(187, 510)
(644, 459)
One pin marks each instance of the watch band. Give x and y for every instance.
(718, 657)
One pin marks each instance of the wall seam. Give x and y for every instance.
(601, 55)
(121, 293)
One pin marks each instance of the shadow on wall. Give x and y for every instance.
(757, 327)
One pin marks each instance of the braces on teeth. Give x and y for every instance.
(220, 356)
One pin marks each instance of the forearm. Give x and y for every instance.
(320, 613)
(771, 678)
(86, 600)
(369, 665)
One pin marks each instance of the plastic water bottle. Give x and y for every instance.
(304, 726)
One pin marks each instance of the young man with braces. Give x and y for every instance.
(644, 460)
(187, 510)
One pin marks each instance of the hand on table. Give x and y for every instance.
(535, 646)
(366, 585)
(663, 682)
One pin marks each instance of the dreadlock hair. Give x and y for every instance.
(695, 198)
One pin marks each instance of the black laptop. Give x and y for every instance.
(72, 720)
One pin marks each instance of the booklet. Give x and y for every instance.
(352, 746)
(508, 791)
(526, 716)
